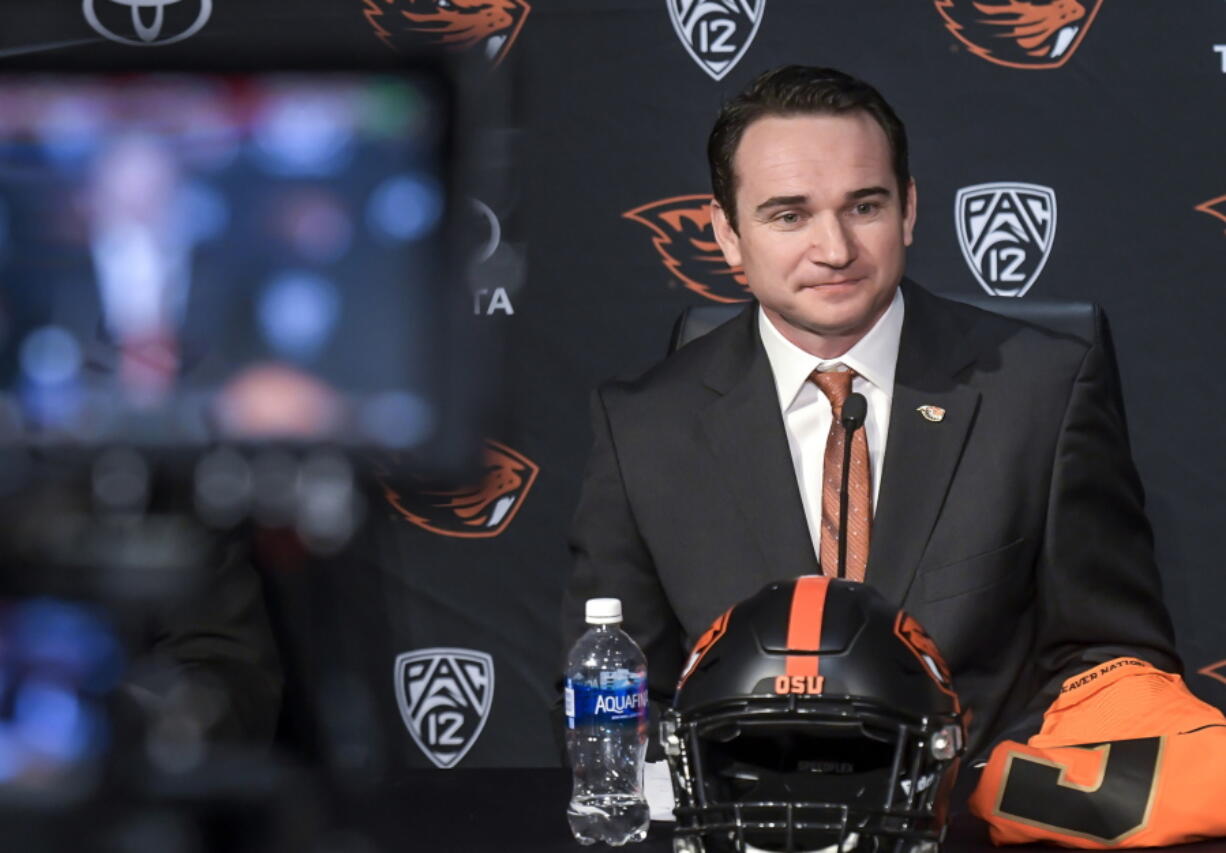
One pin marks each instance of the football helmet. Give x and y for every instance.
(813, 716)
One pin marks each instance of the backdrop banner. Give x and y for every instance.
(1076, 156)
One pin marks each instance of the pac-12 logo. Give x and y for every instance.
(686, 243)
(1006, 232)
(144, 23)
(479, 511)
(716, 33)
(489, 26)
(1020, 33)
(444, 696)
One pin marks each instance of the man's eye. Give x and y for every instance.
(788, 218)
(866, 208)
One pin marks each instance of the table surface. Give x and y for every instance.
(516, 809)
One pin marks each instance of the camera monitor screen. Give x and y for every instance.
(188, 258)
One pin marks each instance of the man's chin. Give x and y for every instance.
(829, 332)
(839, 310)
(834, 324)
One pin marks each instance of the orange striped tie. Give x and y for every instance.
(836, 385)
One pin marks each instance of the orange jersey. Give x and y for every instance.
(1127, 757)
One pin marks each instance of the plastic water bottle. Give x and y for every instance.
(606, 730)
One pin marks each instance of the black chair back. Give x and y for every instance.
(1082, 320)
(1085, 321)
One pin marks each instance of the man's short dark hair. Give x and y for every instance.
(793, 90)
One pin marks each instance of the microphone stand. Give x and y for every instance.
(855, 408)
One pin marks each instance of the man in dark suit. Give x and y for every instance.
(1005, 511)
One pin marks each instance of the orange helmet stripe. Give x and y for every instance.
(805, 624)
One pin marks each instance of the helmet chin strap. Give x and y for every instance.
(849, 843)
(853, 838)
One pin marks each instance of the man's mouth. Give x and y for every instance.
(835, 283)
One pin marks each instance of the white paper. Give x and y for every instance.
(658, 788)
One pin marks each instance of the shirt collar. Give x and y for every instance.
(873, 357)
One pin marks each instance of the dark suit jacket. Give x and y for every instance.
(1013, 529)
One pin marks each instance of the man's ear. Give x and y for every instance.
(908, 221)
(729, 241)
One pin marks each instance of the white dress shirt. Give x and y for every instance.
(806, 410)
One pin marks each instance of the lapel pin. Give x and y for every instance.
(932, 413)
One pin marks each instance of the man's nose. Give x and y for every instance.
(830, 244)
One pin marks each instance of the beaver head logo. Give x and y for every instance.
(922, 645)
(469, 512)
(709, 638)
(686, 243)
(1216, 670)
(1020, 33)
(490, 26)
(1214, 207)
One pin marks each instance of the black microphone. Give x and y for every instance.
(855, 408)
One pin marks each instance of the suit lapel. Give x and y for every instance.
(921, 455)
(745, 433)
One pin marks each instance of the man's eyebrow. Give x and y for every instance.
(790, 200)
(868, 191)
(781, 201)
